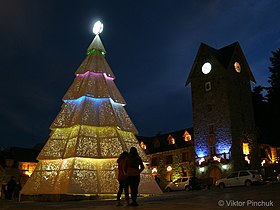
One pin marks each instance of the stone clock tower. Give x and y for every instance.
(223, 121)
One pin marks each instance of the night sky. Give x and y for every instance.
(151, 46)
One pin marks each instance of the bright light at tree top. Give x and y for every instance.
(97, 28)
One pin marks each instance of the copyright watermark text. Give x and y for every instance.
(245, 203)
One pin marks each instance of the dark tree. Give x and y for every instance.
(273, 96)
(260, 105)
(273, 92)
(261, 113)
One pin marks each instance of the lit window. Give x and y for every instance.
(237, 67)
(246, 149)
(187, 136)
(171, 140)
(27, 168)
(143, 146)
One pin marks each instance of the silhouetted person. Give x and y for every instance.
(122, 178)
(157, 179)
(17, 190)
(133, 167)
(11, 186)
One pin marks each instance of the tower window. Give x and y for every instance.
(209, 108)
(207, 86)
(237, 67)
(211, 139)
(211, 129)
(246, 150)
(212, 150)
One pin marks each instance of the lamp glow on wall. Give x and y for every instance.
(223, 148)
(215, 158)
(247, 159)
(201, 161)
(225, 167)
(201, 169)
(154, 170)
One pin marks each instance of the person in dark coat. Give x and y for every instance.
(11, 186)
(123, 182)
(133, 167)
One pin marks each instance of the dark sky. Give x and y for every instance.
(150, 46)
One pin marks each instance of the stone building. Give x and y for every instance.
(170, 155)
(223, 121)
(18, 162)
(270, 161)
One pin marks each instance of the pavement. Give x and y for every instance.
(165, 201)
(259, 197)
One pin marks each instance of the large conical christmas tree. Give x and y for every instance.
(88, 135)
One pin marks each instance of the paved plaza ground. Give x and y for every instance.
(254, 197)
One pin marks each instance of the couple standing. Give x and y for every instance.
(130, 165)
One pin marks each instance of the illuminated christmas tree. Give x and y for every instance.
(88, 135)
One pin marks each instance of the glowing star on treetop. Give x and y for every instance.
(97, 28)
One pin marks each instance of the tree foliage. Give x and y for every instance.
(260, 106)
(273, 92)
(267, 109)
(273, 96)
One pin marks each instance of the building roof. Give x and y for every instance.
(20, 154)
(224, 56)
(161, 142)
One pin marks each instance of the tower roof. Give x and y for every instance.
(224, 56)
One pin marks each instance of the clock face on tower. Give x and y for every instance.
(206, 68)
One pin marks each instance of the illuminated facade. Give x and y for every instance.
(87, 136)
(27, 168)
(171, 155)
(223, 120)
(18, 162)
